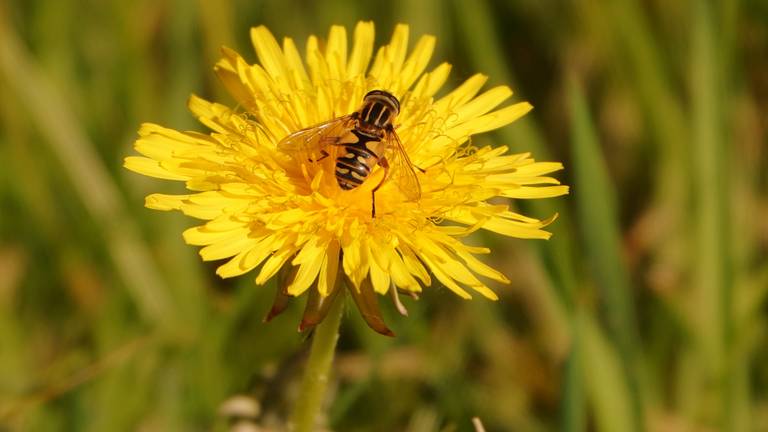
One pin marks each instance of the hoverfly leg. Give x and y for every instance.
(384, 164)
(324, 154)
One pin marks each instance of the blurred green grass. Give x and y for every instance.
(646, 311)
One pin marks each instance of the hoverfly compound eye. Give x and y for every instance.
(384, 96)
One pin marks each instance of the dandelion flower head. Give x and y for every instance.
(263, 210)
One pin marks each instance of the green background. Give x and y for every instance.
(646, 311)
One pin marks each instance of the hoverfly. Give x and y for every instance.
(358, 142)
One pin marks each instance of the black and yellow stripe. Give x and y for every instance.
(376, 114)
(354, 166)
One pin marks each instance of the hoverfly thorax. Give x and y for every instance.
(379, 111)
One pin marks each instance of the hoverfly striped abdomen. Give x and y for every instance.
(356, 161)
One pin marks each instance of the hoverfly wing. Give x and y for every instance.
(402, 172)
(310, 144)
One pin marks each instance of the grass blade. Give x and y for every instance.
(601, 232)
(606, 385)
(712, 297)
(87, 173)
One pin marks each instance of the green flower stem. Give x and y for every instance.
(317, 373)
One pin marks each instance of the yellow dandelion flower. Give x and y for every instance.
(291, 216)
